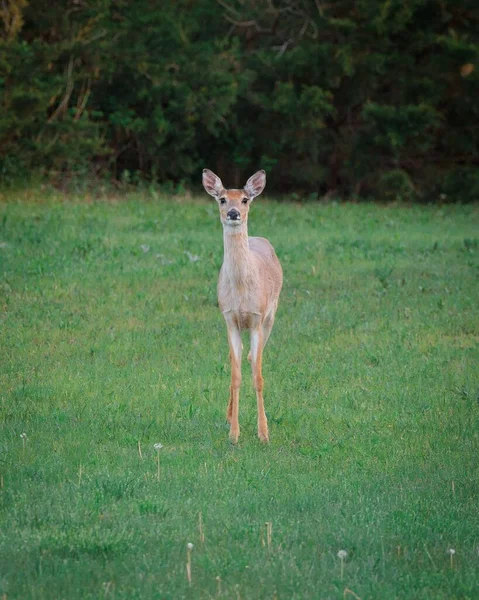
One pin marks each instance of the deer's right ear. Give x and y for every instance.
(212, 183)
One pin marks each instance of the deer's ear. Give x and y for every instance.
(255, 184)
(212, 183)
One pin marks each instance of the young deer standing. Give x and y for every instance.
(248, 288)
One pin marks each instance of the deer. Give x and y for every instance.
(249, 286)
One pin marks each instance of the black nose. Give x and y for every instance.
(233, 214)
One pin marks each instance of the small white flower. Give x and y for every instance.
(342, 554)
(158, 446)
(192, 257)
(145, 248)
(164, 260)
(190, 546)
(23, 436)
(451, 551)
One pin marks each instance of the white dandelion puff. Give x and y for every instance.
(158, 447)
(451, 553)
(189, 548)
(342, 554)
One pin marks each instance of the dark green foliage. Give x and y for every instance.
(349, 98)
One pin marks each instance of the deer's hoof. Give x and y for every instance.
(263, 436)
(234, 435)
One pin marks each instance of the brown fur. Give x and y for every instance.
(249, 285)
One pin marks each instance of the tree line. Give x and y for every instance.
(354, 98)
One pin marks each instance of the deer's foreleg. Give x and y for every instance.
(256, 364)
(234, 339)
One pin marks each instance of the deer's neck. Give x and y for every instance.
(237, 255)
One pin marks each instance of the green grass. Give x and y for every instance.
(110, 335)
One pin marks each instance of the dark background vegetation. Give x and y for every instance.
(351, 98)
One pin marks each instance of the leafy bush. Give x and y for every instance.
(395, 185)
(337, 98)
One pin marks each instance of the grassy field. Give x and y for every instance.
(111, 341)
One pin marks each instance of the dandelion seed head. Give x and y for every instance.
(342, 554)
(23, 436)
(451, 551)
(190, 546)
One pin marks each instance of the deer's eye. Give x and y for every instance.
(222, 200)
(245, 201)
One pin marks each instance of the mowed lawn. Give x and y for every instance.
(111, 342)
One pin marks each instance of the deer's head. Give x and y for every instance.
(234, 204)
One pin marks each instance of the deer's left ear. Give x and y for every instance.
(255, 184)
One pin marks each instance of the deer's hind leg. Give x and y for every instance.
(267, 327)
